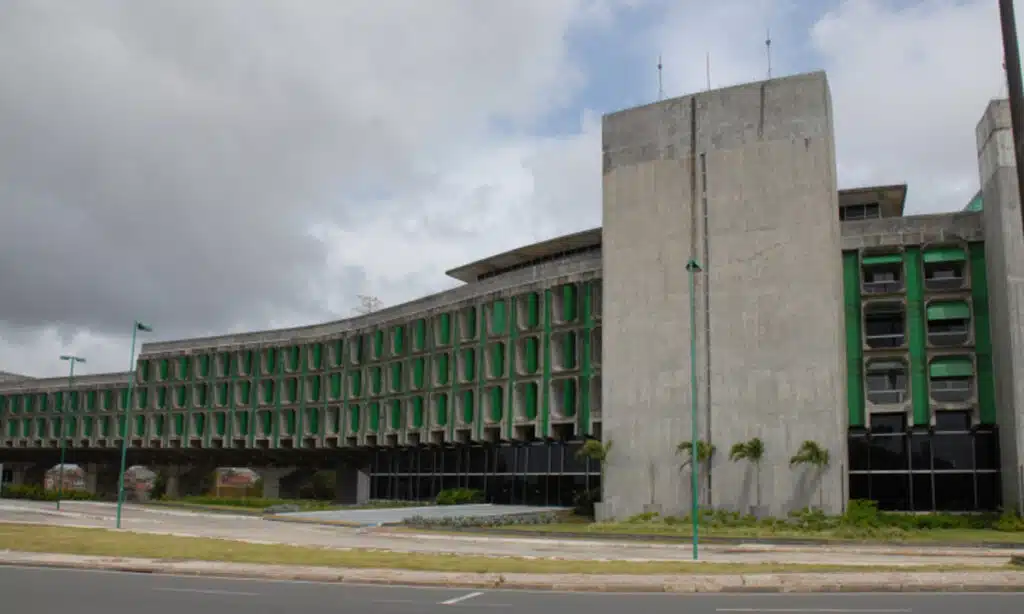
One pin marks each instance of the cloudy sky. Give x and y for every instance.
(219, 165)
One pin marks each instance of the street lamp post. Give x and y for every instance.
(692, 268)
(64, 425)
(136, 328)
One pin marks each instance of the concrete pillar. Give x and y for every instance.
(352, 486)
(272, 481)
(92, 473)
(172, 480)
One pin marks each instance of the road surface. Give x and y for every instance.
(86, 592)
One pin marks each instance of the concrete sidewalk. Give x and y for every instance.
(989, 581)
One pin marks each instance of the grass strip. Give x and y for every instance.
(103, 542)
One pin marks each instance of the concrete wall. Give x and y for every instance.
(1004, 257)
(913, 230)
(742, 179)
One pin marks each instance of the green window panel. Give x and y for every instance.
(179, 425)
(204, 365)
(270, 361)
(140, 426)
(335, 386)
(220, 423)
(223, 364)
(530, 400)
(532, 319)
(266, 423)
(395, 412)
(12, 428)
(949, 310)
(569, 398)
(292, 358)
(183, 367)
(268, 390)
(470, 332)
(164, 369)
(378, 344)
(398, 341)
(87, 425)
(42, 428)
(222, 394)
(376, 380)
(374, 417)
(289, 422)
(199, 425)
(12, 404)
(245, 389)
(953, 366)
(883, 259)
(947, 254)
(497, 362)
(143, 397)
(355, 383)
(442, 369)
(243, 423)
(418, 370)
(202, 395)
(74, 401)
(916, 338)
(142, 368)
(570, 303)
(161, 397)
(499, 317)
(497, 403)
(246, 364)
(122, 426)
(314, 389)
(3, 404)
(181, 396)
(441, 409)
(26, 428)
(90, 400)
(468, 408)
(531, 351)
(72, 426)
(444, 334)
(105, 426)
(124, 398)
(58, 402)
(854, 340)
(359, 347)
(469, 364)
(291, 390)
(159, 423)
(313, 420)
(569, 350)
(317, 356)
(353, 418)
(333, 419)
(417, 412)
(27, 403)
(419, 335)
(108, 399)
(396, 376)
(337, 353)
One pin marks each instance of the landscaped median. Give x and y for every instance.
(120, 550)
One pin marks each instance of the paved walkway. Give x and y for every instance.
(868, 582)
(257, 530)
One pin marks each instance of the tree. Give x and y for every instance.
(367, 304)
(705, 451)
(596, 451)
(751, 451)
(811, 453)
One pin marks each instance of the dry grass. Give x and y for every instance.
(102, 542)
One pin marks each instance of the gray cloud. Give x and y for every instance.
(167, 160)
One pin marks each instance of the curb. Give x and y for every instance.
(999, 581)
(328, 523)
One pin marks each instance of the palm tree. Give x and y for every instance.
(705, 451)
(751, 451)
(598, 452)
(811, 453)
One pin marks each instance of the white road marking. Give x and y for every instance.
(455, 600)
(202, 591)
(817, 610)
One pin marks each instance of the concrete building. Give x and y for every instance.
(825, 319)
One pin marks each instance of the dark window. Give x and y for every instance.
(944, 333)
(884, 325)
(953, 452)
(506, 460)
(537, 459)
(990, 495)
(889, 453)
(888, 423)
(891, 490)
(450, 460)
(860, 453)
(860, 212)
(573, 463)
(953, 421)
(535, 490)
(922, 485)
(954, 492)
(557, 453)
(477, 459)
(860, 486)
(921, 451)
(886, 382)
(520, 466)
(427, 461)
(951, 389)
(883, 278)
(986, 450)
(943, 275)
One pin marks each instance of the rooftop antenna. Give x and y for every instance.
(708, 69)
(768, 51)
(661, 89)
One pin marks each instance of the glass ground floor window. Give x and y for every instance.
(949, 468)
(530, 474)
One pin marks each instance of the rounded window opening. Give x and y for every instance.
(884, 325)
(944, 268)
(948, 323)
(882, 273)
(886, 382)
(951, 379)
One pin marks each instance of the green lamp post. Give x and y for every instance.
(692, 268)
(136, 328)
(64, 425)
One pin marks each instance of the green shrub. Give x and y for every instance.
(38, 493)
(459, 496)
(468, 522)
(583, 502)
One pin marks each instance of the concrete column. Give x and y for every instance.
(272, 481)
(172, 479)
(92, 472)
(352, 486)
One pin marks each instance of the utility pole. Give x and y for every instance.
(64, 425)
(367, 304)
(1011, 54)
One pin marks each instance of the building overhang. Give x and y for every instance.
(890, 198)
(524, 255)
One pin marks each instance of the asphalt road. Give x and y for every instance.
(85, 592)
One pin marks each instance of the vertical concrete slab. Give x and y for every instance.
(352, 485)
(1004, 261)
(743, 180)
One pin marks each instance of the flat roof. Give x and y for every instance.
(890, 198)
(522, 255)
